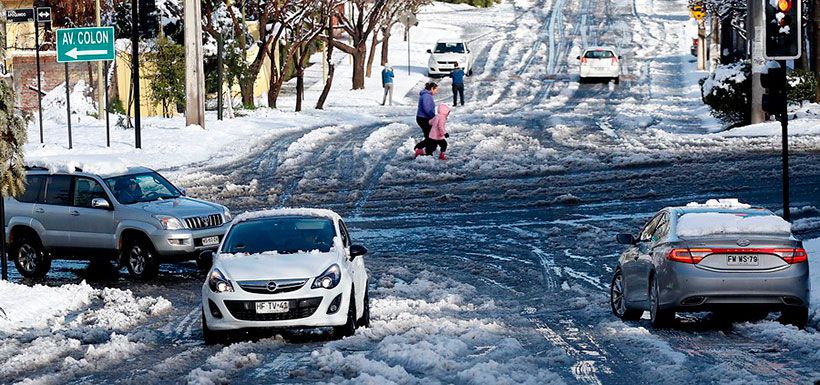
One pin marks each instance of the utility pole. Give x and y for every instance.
(815, 55)
(754, 31)
(100, 92)
(194, 71)
(701, 45)
(135, 70)
(714, 48)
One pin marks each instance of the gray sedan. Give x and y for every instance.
(711, 257)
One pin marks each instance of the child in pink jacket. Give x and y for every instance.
(438, 133)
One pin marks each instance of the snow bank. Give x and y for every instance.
(40, 306)
(812, 247)
(229, 360)
(701, 224)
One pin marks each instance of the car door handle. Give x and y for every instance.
(39, 211)
(75, 213)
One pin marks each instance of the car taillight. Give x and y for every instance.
(792, 256)
(583, 60)
(692, 256)
(614, 60)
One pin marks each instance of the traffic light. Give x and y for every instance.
(774, 101)
(784, 29)
(148, 15)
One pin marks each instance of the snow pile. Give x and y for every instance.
(40, 306)
(728, 203)
(424, 331)
(95, 164)
(307, 212)
(664, 363)
(82, 104)
(726, 77)
(812, 247)
(228, 361)
(121, 310)
(702, 224)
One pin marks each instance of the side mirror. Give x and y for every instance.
(183, 192)
(625, 239)
(577, 58)
(357, 251)
(429, 51)
(100, 203)
(620, 57)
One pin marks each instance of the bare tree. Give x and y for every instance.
(362, 19)
(394, 10)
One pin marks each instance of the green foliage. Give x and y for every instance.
(727, 92)
(12, 139)
(474, 3)
(168, 83)
(116, 106)
(802, 85)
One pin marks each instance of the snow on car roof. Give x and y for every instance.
(725, 203)
(104, 166)
(697, 224)
(603, 47)
(308, 212)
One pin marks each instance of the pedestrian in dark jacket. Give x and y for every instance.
(458, 85)
(425, 112)
(387, 83)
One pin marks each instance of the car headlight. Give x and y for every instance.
(329, 279)
(218, 283)
(169, 223)
(227, 215)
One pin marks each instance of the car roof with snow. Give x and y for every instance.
(450, 41)
(286, 212)
(729, 206)
(102, 172)
(601, 48)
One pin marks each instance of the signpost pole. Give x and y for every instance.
(784, 126)
(39, 76)
(135, 71)
(107, 110)
(219, 74)
(100, 92)
(68, 105)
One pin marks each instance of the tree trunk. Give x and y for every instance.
(300, 79)
(358, 65)
(372, 56)
(320, 104)
(246, 89)
(815, 51)
(385, 46)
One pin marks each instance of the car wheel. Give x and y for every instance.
(795, 317)
(212, 337)
(29, 256)
(349, 328)
(617, 80)
(365, 320)
(140, 259)
(617, 301)
(658, 317)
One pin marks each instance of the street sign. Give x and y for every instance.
(44, 14)
(697, 11)
(408, 19)
(85, 44)
(20, 15)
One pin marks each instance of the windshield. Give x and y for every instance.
(145, 187)
(599, 54)
(284, 235)
(449, 48)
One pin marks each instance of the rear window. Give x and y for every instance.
(58, 190)
(599, 54)
(705, 224)
(284, 235)
(34, 185)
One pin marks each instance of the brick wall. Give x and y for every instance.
(53, 74)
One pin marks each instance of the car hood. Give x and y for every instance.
(265, 266)
(181, 207)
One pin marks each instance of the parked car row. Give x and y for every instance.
(278, 268)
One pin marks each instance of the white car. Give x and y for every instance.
(286, 268)
(600, 63)
(447, 56)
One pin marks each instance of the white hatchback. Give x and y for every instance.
(447, 56)
(600, 63)
(286, 268)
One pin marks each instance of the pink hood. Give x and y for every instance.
(439, 130)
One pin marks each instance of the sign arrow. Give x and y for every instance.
(74, 52)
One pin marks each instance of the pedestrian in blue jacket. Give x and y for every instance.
(387, 83)
(458, 85)
(425, 112)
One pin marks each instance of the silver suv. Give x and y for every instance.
(135, 217)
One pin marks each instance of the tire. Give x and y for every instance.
(30, 257)
(349, 328)
(365, 320)
(658, 317)
(795, 317)
(617, 302)
(140, 259)
(212, 337)
(617, 80)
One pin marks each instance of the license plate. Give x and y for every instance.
(272, 307)
(742, 260)
(210, 241)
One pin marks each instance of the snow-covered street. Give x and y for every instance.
(492, 267)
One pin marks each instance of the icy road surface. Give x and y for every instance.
(492, 267)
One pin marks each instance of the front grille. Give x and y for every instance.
(282, 286)
(299, 308)
(204, 222)
(448, 63)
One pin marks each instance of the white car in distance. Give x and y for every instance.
(286, 268)
(447, 56)
(600, 63)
